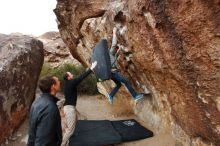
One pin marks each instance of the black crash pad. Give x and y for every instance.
(104, 132)
(101, 55)
(130, 130)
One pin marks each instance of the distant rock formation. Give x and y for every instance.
(55, 50)
(21, 59)
(175, 53)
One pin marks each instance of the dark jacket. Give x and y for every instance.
(45, 122)
(70, 88)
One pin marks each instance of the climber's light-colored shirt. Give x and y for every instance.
(112, 53)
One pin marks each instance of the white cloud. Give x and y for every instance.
(27, 16)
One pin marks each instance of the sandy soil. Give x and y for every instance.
(97, 108)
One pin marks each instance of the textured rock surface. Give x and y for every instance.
(176, 54)
(55, 50)
(21, 59)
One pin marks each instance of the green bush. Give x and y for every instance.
(88, 86)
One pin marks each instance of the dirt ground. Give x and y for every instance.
(97, 108)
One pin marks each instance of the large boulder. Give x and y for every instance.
(56, 53)
(21, 59)
(175, 53)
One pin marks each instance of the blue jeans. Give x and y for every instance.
(118, 78)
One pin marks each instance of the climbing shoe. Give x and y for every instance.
(110, 99)
(138, 96)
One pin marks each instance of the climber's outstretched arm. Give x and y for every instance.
(114, 41)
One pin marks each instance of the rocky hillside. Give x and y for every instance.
(175, 48)
(55, 50)
(21, 59)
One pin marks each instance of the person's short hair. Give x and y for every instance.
(65, 76)
(45, 84)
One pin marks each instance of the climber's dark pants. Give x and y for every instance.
(118, 79)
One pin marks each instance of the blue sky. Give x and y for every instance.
(27, 16)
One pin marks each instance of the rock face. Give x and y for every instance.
(175, 48)
(21, 59)
(55, 50)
